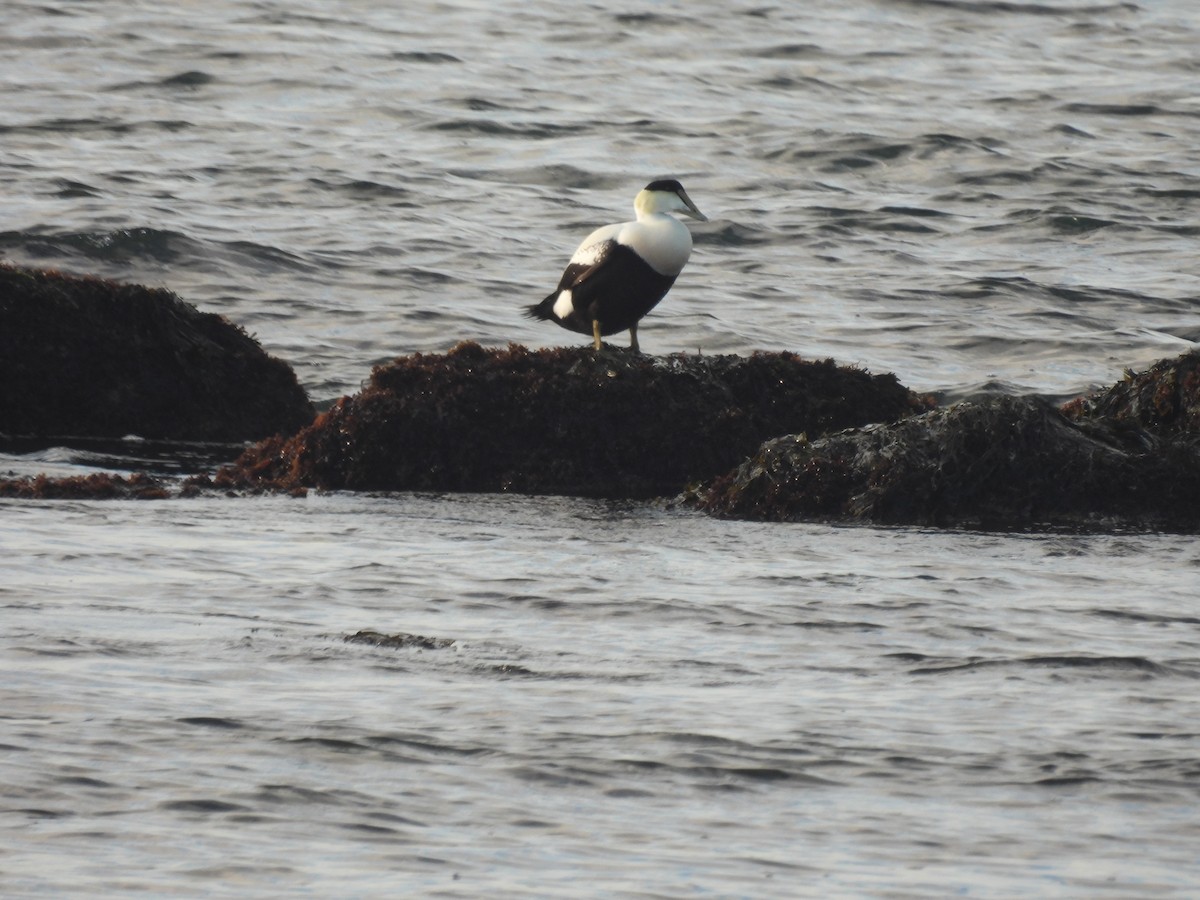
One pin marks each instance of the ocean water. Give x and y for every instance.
(603, 699)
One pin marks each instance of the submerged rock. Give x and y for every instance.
(87, 357)
(399, 641)
(1126, 458)
(563, 421)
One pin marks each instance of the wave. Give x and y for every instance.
(1100, 665)
(989, 7)
(160, 246)
(89, 125)
(189, 80)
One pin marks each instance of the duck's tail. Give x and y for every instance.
(543, 310)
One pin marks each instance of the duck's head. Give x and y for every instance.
(666, 195)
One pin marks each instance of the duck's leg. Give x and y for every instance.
(633, 344)
(596, 332)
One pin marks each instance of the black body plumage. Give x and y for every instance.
(617, 293)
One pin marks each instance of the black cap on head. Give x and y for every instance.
(669, 185)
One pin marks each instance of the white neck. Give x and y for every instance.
(649, 203)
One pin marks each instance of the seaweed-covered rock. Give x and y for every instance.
(97, 486)
(1164, 400)
(86, 357)
(565, 421)
(1002, 462)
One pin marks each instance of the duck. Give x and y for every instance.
(620, 272)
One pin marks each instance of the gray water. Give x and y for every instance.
(634, 700)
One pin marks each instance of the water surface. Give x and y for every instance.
(633, 700)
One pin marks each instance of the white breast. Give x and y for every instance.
(661, 240)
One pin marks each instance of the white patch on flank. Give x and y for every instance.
(563, 306)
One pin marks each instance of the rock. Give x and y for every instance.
(1164, 400)
(86, 357)
(399, 641)
(97, 486)
(563, 421)
(1001, 462)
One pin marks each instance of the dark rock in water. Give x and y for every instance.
(399, 641)
(563, 421)
(86, 357)
(1003, 462)
(98, 486)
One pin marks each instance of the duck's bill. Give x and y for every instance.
(692, 210)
